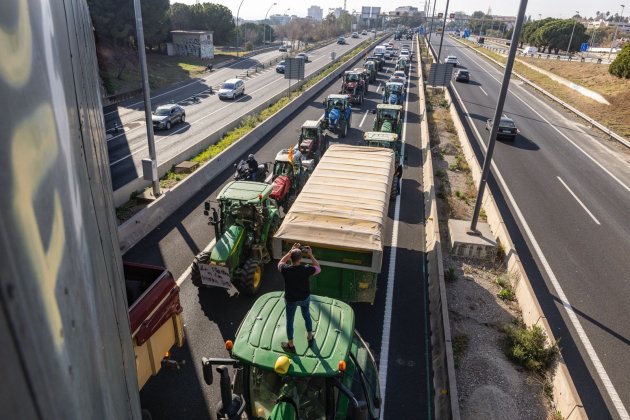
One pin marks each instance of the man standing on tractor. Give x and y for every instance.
(297, 290)
(253, 167)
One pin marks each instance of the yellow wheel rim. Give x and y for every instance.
(257, 277)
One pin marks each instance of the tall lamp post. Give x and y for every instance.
(237, 13)
(265, 23)
(615, 35)
(571, 38)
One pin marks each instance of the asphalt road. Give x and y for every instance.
(399, 341)
(128, 146)
(565, 196)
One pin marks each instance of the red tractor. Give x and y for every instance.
(290, 172)
(353, 85)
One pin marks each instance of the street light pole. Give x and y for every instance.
(265, 23)
(615, 35)
(497, 114)
(237, 13)
(147, 95)
(431, 28)
(571, 38)
(443, 29)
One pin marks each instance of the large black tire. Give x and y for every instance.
(195, 275)
(344, 133)
(250, 277)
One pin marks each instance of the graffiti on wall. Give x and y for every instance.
(193, 45)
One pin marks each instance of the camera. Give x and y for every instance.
(305, 249)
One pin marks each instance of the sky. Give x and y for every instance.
(256, 9)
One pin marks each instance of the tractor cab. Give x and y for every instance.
(394, 93)
(370, 67)
(388, 119)
(312, 141)
(385, 140)
(337, 374)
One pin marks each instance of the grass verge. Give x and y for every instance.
(527, 346)
(170, 179)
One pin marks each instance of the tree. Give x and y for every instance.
(203, 17)
(556, 34)
(620, 67)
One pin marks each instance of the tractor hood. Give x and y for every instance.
(227, 244)
(351, 85)
(393, 99)
(306, 145)
(333, 116)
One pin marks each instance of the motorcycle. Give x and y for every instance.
(243, 172)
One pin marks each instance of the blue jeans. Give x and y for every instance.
(291, 307)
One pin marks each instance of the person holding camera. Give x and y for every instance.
(297, 291)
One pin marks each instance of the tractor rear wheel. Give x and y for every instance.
(251, 277)
(195, 275)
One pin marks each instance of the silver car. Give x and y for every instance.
(231, 88)
(167, 115)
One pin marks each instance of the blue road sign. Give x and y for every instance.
(466, 33)
(421, 30)
(584, 46)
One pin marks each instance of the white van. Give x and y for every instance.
(530, 50)
(380, 49)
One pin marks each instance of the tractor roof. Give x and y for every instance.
(247, 191)
(359, 70)
(338, 96)
(380, 136)
(395, 83)
(389, 106)
(283, 155)
(311, 124)
(259, 338)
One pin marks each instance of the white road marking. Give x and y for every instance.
(363, 119)
(379, 86)
(485, 93)
(620, 182)
(391, 278)
(578, 200)
(599, 367)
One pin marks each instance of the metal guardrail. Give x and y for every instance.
(571, 108)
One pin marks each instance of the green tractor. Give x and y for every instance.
(244, 225)
(388, 119)
(385, 140)
(371, 68)
(336, 377)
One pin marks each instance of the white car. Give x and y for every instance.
(231, 88)
(451, 59)
(401, 75)
(404, 54)
(303, 56)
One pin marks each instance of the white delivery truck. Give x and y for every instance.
(530, 50)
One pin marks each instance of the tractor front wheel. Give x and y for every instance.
(251, 277)
(195, 275)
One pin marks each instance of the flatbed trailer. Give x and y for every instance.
(341, 214)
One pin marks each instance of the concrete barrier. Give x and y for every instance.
(565, 395)
(445, 400)
(122, 194)
(143, 222)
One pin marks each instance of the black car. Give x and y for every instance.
(167, 115)
(280, 67)
(462, 76)
(507, 128)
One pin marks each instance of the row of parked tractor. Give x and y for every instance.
(314, 197)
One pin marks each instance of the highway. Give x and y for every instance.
(396, 326)
(128, 146)
(565, 196)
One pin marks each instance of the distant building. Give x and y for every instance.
(316, 13)
(509, 21)
(279, 19)
(601, 23)
(198, 44)
(337, 12)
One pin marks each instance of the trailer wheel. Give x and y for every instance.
(251, 278)
(195, 274)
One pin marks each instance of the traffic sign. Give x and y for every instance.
(294, 68)
(451, 16)
(440, 15)
(440, 74)
(584, 47)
